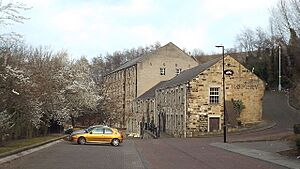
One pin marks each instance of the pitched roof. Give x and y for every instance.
(151, 92)
(135, 60)
(187, 75)
(183, 77)
(239, 56)
(127, 64)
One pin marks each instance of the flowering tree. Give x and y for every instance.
(80, 93)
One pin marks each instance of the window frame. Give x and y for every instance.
(98, 128)
(178, 71)
(108, 129)
(214, 95)
(162, 71)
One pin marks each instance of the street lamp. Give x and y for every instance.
(279, 68)
(224, 125)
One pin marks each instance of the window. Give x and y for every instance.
(108, 131)
(178, 71)
(214, 95)
(162, 71)
(98, 131)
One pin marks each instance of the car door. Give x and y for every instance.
(96, 135)
(108, 135)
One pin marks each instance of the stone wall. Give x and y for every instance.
(199, 109)
(125, 85)
(144, 110)
(202, 116)
(245, 86)
(114, 84)
(169, 57)
(121, 89)
(242, 85)
(171, 103)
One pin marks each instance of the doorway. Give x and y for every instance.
(214, 124)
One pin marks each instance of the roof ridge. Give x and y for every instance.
(134, 60)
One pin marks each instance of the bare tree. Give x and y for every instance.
(285, 17)
(246, 40)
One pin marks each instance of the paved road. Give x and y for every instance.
(195, 153)
(171, 153)
(65, 155)
(275, 108)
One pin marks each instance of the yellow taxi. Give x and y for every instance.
(97, 134)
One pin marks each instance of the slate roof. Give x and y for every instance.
(189, 74)
(135, 60)
(151, 92)
(127, 64)
(183, 77)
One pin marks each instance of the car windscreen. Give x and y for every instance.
(89, 129)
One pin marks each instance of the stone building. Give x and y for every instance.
(135, 77)
(145, 106)
(191, 103)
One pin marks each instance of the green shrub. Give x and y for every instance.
(297, 128)
(238, 105)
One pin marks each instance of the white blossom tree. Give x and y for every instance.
(80, 92)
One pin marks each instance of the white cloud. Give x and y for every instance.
(220, 8)
(71, 20)
(101, 26)
(134, 7)
(144, 33)
(38, 3)
(96, 17)
(189, 37)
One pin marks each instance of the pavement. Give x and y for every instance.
(16, 151)
(265, 151)
(25, 152)
(20, 152)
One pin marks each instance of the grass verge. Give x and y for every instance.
(17, 144)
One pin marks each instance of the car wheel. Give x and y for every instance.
(115, 142)
(81, 140)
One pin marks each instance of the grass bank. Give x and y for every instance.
(22, 143)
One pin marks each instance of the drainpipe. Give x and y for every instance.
(185, 109)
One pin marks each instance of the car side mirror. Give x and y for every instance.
(91, 132)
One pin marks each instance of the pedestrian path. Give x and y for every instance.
(265, 155)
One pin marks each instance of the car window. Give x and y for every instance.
(108, 131)
(90, 128)
(98, 131)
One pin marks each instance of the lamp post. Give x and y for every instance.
(224, 123)
(279, 68)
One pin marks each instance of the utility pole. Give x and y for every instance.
(279, 68)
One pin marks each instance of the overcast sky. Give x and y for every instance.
(93, 27)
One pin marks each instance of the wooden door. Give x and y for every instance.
(214, 124)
